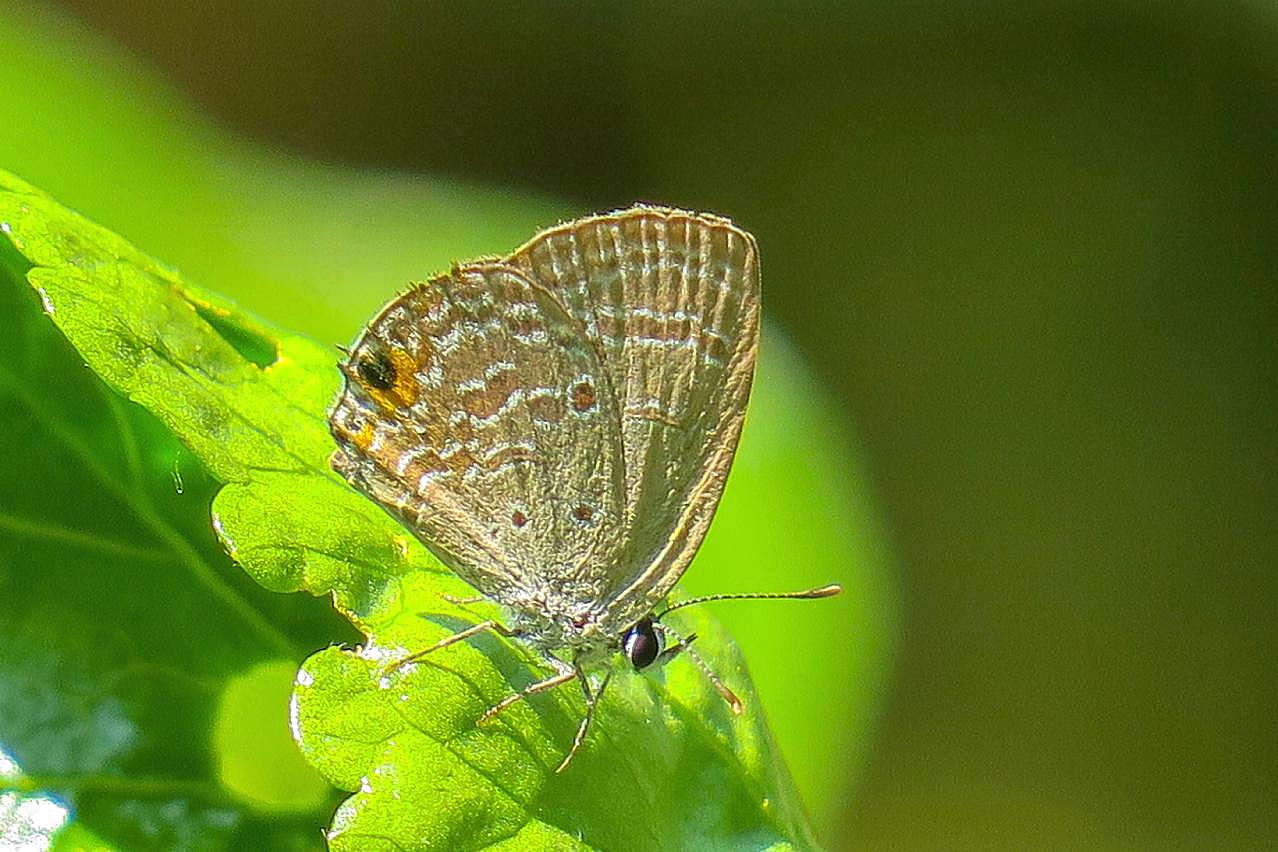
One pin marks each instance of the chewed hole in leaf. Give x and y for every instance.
(250, 343)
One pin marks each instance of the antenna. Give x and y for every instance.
(808, 594)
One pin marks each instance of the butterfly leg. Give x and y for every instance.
(675, 649)
(564, 673)
(474, 629)
(685, 646)
(592, 701)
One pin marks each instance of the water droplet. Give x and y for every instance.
(45, 302)
(178, 485)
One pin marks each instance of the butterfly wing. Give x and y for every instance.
(672, 298)
(477, 413)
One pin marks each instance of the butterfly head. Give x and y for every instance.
(644, 643)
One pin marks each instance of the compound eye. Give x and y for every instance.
(643, 643)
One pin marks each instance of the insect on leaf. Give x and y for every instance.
(666, 766)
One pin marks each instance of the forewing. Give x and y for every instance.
(673, 300)
(476, 412)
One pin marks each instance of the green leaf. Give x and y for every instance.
(667, 765)
(123, 624)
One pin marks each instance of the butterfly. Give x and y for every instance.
(557, 426)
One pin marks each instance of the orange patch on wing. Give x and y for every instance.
(363, 439)
(404, 389)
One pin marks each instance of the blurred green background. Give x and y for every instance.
(1028, 249)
